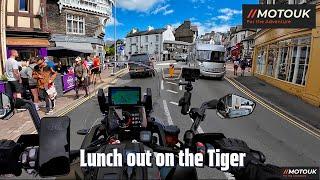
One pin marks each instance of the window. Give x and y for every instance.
(157, 48)
(147, 48)
(287, 60)
(261, 60)
(137, 40)
(272, 59)
(146, 39)
(157, 38)
(23, 5)
(75, 24)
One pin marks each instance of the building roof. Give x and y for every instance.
(177, 42)
(194, 28)
(142, 33)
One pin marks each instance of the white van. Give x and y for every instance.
(210, 59)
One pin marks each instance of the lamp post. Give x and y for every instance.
(115, 38)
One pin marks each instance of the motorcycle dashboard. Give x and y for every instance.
(124, 96)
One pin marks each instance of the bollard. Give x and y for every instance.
(171, 70)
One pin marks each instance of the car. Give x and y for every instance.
(140, 65)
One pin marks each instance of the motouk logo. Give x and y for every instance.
(301, 173)
(279, 16)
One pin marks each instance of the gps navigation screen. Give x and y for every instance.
(124, 95)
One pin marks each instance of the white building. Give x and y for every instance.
(150, 41)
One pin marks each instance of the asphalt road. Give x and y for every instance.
(283, 143)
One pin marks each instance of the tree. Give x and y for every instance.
(110, 50)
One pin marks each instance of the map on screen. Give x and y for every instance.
(125, 96)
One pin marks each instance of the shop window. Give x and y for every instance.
(272, 59)
(261, 61)
(23, 5)
(283, 58)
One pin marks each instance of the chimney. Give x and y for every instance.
(187, 24)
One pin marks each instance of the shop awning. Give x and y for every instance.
(33, 42)
(78, 47)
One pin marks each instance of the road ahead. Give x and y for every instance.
(283, 143)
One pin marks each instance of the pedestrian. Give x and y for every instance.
(26, 94)
(33, 82)
(13, 75)
(243, 65)
(45, 76)
(81, 77)
(235, 66)
(96, 70)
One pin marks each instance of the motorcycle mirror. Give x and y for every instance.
(6, 106)
(54, 146)
(234, 106)
(83, 132)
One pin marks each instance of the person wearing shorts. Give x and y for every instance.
(13, 75)
(96, 70)
(81, 75)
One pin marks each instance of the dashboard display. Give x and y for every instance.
(124, 96)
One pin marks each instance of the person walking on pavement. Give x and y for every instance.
(13, 74)
(45, 76)
(235, 66)
(81, 73)
(26, 94)
(96, 70)
(33, 82)
(243, 65)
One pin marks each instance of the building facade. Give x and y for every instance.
(186, 32)
(172, 48)
(77, 28)
(26, 28)
(289, 60)
(149, 42)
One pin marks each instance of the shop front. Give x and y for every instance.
(28, 47)
(289, 60)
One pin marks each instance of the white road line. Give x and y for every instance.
(165, 64)
(174, 103)
(175, 92)
(200, 130)
(168, 82)
(167, 112)
(180, 88)
(162, 85)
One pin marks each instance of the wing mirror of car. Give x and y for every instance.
(54, 146)
(6, 106)
(234, 106)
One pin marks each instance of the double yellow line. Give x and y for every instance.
(78, 103)
(315, 133)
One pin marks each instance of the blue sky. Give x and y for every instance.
(208, 15)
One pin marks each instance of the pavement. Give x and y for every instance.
(21, 123)
(282, 142)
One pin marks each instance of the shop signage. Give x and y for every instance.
(68, 82)
(279, 16)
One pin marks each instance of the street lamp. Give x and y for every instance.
(115, 37)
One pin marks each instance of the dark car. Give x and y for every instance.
(142, 65)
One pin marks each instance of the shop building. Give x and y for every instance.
(289, 60)
(26, 28)
(77, 28)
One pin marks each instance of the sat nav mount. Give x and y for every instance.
(190, 75)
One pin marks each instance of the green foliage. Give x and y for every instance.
(110, 50)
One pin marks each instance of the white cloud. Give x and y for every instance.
(111, 22)
(138, 5)
(226, 14)
(211, 26)
(163, 9)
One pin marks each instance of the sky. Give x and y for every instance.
(208, 15)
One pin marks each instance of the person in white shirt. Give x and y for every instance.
(13, 75)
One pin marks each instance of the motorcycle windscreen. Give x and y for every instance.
(54, 146)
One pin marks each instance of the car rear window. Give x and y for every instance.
(139, 58)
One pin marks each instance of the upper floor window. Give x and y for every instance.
(75, 24)
(157, 38)
(146, 38)
(23, 5)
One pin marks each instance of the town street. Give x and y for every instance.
(283, 143)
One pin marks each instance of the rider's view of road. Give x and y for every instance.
(161, 89)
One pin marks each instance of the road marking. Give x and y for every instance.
(162, 85)
(200, 130)
(174, 92)
(174, 103)
(283, 116)
(165, 64)
(168, 82)
(167, 112)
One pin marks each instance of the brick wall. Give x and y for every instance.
(57, 21)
